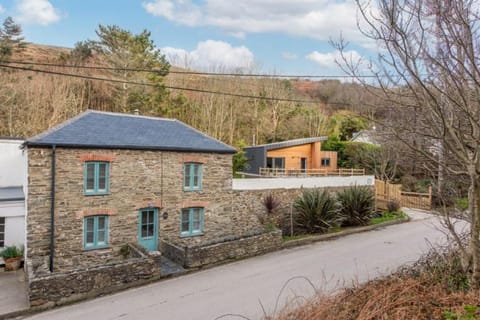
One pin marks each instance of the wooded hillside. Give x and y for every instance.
(31, 102)
(235, 109)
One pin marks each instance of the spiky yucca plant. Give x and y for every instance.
(317, 211)
(357, 204)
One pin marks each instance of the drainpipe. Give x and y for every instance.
(52, 211)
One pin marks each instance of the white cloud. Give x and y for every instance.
(40, 12)
(289, 55)
(211, 55)
(183, 11)
(317, 19)
(329, 60)
(2, 9)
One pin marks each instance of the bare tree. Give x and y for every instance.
(429, 78)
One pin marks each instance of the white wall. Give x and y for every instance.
(14, 213)
(13, 174)
(12, 163)
(305, 182)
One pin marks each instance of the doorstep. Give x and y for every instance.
(168, 268)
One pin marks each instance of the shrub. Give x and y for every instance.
(270, 218)
(357, 205)
(317, 211)
(11, 252)
(461, 203)
(125, 251)
(271, 203)
(393, 206)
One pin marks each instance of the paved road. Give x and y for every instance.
(239, 288)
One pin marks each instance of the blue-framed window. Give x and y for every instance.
(96, 177)
(192, 173)
(191, 222)
(95, 232)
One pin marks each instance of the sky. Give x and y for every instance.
(268, 36)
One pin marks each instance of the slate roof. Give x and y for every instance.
(11, 194)
(96, 129)
(288, 143)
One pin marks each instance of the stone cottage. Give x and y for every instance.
(108, 193)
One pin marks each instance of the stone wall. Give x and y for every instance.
(251, 201)
(137, 179)
(225, 249)
(63, 287)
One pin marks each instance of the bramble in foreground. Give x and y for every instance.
(434, 288)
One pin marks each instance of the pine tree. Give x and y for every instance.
(11, 38)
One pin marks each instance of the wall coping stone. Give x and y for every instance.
(301, 182)
(342, 233)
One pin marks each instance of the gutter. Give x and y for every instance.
(31, 144)
(12, 199)
(52, 211)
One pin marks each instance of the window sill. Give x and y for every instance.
(190, 235)
(97, 248)
(96, 194)
(190, 190)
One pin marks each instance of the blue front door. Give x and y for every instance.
(148, 228)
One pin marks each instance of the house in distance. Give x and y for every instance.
(290, 157)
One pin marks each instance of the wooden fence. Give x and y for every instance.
(279, 172)
(386, 192)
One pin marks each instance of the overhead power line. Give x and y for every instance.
(165, 86)
(200, 73)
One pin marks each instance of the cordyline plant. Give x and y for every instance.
(317, 211)
(271, 204)
(427, 81)
(357, 205)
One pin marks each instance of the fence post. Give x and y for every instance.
(430, 197)
(291, 219)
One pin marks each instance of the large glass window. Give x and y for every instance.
(96, 177)
(191, 221)
(95, 232)
(278, 163)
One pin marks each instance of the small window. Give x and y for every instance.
(325, 162)
(96, 178)
(191, 222)
(95, 232)
(192, 176)
(2, 232)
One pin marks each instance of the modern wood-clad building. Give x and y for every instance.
(299, 154)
